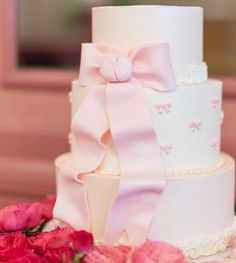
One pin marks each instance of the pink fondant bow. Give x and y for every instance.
(117, 102)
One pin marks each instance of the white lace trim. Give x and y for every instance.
(207, 246)
(193, 74)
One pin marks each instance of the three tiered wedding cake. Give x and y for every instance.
(145, 160)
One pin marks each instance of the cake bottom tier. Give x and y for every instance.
(195, 212)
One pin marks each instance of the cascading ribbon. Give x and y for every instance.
(117, 102)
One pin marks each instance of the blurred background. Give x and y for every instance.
(44, 37)
(50, 32)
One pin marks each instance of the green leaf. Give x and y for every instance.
(30, 232)
(77, 258)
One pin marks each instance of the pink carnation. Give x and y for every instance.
(15, 248)
(20, 217)
(157, 252)
(20, 256)
(48, 205)
(15, 240)
(56, 238)
(104, 254)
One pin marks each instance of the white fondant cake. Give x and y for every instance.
(195, 211)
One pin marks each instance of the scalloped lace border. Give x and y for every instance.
(191, 74)
(207, 246)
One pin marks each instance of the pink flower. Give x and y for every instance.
(20, 217)
(82, 241)
(15, 248)
(56, 238)
(48, 205)
(61, 254)
(61, 243)
(157, 252)
(15, 240)
(20, 256)
(104, 254)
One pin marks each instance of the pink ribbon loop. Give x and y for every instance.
(117, 102)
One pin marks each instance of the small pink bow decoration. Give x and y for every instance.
(117, 102)
(163, 107)
(166, 149)
(195, 126)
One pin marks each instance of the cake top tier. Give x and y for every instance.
(129, 26)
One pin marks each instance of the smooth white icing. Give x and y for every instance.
(127, 26)
(194, 212)
(189, 149)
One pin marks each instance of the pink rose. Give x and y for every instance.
(56, 238)
(82, 241)
(157, 252)
(48, 205)
(104, 254)
(20, 217)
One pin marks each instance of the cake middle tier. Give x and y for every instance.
(187, 123)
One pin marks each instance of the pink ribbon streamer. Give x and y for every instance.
(117, 102)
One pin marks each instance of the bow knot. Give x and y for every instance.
(116, 68)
